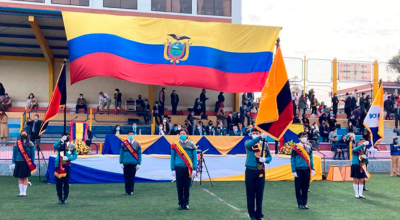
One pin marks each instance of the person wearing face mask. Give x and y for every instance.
(135, 129)
(235, 131)
(117, 130)
(219, 131)
(34, 126)
(117, 100)
(139, 101)
(66, 153)
(302, 164)
(358, 169)
(183, 167)
(200, 129)
(23, 161)
(230, 122)
(255, 172)
(210, 129)
(324, 132)
(166, 125)
(188, 127)
(81, 103)
(395, 157)
(32, 102)
(157, 112)
(248, 130)
(350, 127)
(5, 103)
(335, 103)
(161, 131)
(130, 158)
(174, 130)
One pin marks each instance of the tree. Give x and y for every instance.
(394, 66)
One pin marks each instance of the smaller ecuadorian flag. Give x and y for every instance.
(275, 114)
(374, 120)
(58, 99)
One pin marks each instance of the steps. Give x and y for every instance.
(14, 125)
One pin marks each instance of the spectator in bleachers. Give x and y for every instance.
(146, 108)
(296, 119)
(314, 104)
(361, 121)
(189, 127)
(347, 105)
(174, 130)
(161, 130)
(117, 130)
(104, 100)
(242, 129)
(294, 102)
(5, 102)
(323, 131)
(157, 112)
(222, 117)
(203, 99)
(244, 113)
(343, 147)
(335, 148)
(332, 122)
(200, 129)
(248, 130)
(210, 129)
(161, 100)
(135, 129)
(302, 105)
(219, 131)
(180, 127)
(169, 120)
(236, 118)
(368, 102)
(353, 121)
(230, 122)
(81, 103)
(322, 108)
(388, 106)
(235, 131)
(305, 121)
(323, 117)
(253, 112)
(4, 131)
(314, 140)
(166, 124)
(32, 102)
(332, 135)
(362, 102)
(396, 116)
(315, 127)
(221, 100)
(250, 96)
(174, 101)
(357, 113)
(351, 128)
(335, 103)
(2, 90)
(117, 100)
(197, 107)
(395, 157)
(353, 102)
(35, 126)
(139, 101)
(245, 99)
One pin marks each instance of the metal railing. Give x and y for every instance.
(71, 115)
(123, 117)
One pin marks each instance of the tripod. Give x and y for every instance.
(40, 153)
(201, 162)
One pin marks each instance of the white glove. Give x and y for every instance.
(312, 172)
(63, 139)
(173, 173)
(295, 174)
(194, 173)
(366, 143)
(12, 166)
(263, 135)
(122, 166)
(64, 158)
(137, 167)
(262, 159)
(364, 156)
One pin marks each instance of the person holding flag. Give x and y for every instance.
(183, 167)
(23, 161)
(255, 172)
(130, 158)
(66, 153)
(358, 167)
(302, 168)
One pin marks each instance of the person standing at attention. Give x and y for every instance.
(203, 99)
(302, 164)
(174, 101)
(130, 158)
(4, 131)
(335, 103)
(161, 99)
(255, 173)
(118, 100)
(183, 167)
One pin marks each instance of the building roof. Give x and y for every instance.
(369, 87)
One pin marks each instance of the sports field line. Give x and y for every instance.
(225, 202)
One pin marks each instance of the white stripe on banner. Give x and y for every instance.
(372, 119)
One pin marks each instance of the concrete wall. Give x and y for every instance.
(23, 77)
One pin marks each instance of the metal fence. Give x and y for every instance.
(71, 115)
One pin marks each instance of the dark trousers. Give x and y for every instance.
(388, 112)
(242, 119)
(301, 184)
(182, 185)
(335, 110)
(254, 192)
(63, 185)
(396, 121)
(162, 108)
(174, 107)
(313, 110)
(348, 112)
(129, 177)
(203, 108)
(158, 119)
(79, 107)
(325, 138)
(294, 108)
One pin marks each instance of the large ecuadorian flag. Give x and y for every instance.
(275, 114)
(58, 99)
(374, 120)
(219, 56)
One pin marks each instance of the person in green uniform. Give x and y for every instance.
(67, 154)
(129, 163)
(255, 173)
(180, 168)
(358, 173)
(20, 166)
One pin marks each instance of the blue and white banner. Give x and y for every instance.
(374, 120)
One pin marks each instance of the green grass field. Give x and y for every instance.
(327, 200)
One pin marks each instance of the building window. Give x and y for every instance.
(126, 4)
(39, 1)
(71, 2)
(177, 6)
(214, 7)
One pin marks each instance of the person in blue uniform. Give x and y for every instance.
(358, 171)
(255, 173)
(67, 154)
(180, 169)
(302, 164)
(20, 166)
(129, 163)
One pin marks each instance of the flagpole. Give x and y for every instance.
(65, 109)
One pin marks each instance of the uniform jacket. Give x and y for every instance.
(70, 152)
(297, 161)
(176, 160)
(125, 157)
